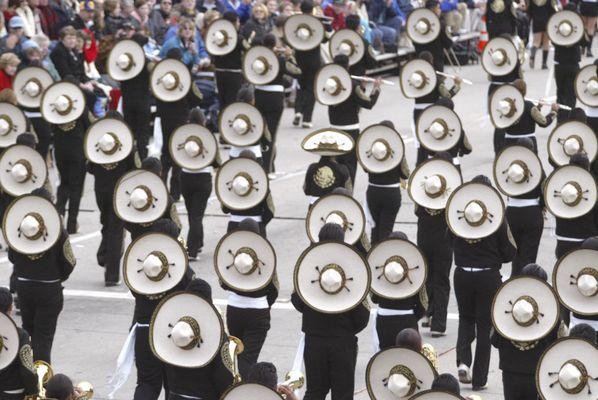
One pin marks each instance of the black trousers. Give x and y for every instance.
(43, 130)
(526, 225)
(439, 254)
(474, 292)
(271, 105)
(169, 125)
(350, 159)
(71, 168)
(388, 327)
(41, 304)
(384, 204)
(519, 386)
(330, 366)
(151, 372)
(111, 246)
(196, 189)
(251, 325)
(233, 226)
(137, 115)
(564, 76)
(306, 100)
(228, 85)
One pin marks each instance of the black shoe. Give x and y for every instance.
(589, 53)
(297, 119)
(477, 388)
(112, 283)
(544, 66)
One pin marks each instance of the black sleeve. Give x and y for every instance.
(28, 377)
(506, 246)
(297, 302)
(59, 59)
(363, 100)
(66, 258)
(360, 316)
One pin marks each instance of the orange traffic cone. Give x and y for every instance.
(483, 35)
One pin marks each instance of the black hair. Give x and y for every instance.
(525, 142)
(246, 94)
(152, 164)
(230, 16)
(42, 192)
(26, 139)
(140, 39)
(578, 114)
(342, 60)
(431, 4)
(387, 123)
(175, 54)
(248, 154)
(590, 243)
(114, 114)
(341, 190)
(409, 338)
(307, 6)
(269, 40)
(263, 373)
(166, 226)
(583, 331)
(448, 103)
(60, 387)
(249, 224)
(427, 56)
(483, 179)
(534, 269)
(196, 116)
(398, 235)
(333, 232)
(352, 21)
(201, 288)
(5, 299)
(581, 160)
(447, 383)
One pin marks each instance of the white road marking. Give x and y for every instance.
(283, 304)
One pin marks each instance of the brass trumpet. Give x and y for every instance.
(294, 380)
(44, 372)
(235, 347)
(85, 390)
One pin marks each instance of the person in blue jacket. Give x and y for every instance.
(185, 36)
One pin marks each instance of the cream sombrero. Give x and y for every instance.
(241, 124)
(525, 309)
(250, 391)
(303, 32)
(245, 261)
(140, 197)
(333, 85)
(380, 149)
(398, 373)
(474, 211)
(29, 85)
(349, 43)
(328, 142)
(565, 28)
(586, 85)
(422, 26)
(22, 170)
(186, 330)
(338, 209)
(436, 395)
(170, 80)
(432, 182)
(260, 65)
(9, 341)
(568, 370)
(499, 56)
(569, 138)
(108, 140)
(438, 128)
(575, 279)
(331, 277)
(398, 269)
(241, 184)
(62, 102)
(221, 37)
(12, 124)
(418, 78)
(154, 263)
(570, 192)
(193, 147)
(506, 106)
(517, 170)
(31, 225)
(126, 60)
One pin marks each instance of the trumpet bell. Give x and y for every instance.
(85, 390)
(235, 345)
(43, 371)
(294, 380)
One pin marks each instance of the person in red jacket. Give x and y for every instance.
(336, 11)
(8, 68)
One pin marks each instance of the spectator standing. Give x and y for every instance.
(160, 20)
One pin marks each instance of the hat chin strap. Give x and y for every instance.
(571, 194)
(475, 213)
(517, 172)
(21, 171)
(380, 150)
(525, 311)
(63, 104)
(332, 279)
(418, 80)
(241, 124)
(572, 145)
(186, 333)
(401, 381)
(32, 88)
(587, 282)
(246, 261)
(141, 198)
(125, 62)
(221, 38)
(32, 226)
(423, 26)
(156, 266)
(435, 185)
(438, 129)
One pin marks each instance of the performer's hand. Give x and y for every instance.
(554, 107)
(377, 83)
(287, 392)
(458, 80)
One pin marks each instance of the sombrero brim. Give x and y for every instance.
(137, 54)
(553, 31)
(95, 132)
(250, 391)
(10, 337)
(379, 366)
(500, 93)
(461, 197)
(364, 143)
(25, 75)
(560, 177)
(583, 76)
(169, 311)
(320, 255)
(408, 69)
(503, 161)
(350, 207)
(416, 262)
(226, 174)
(224, 256)
(413, 18)
(129, 182)
(427, 117)
(228, 115)
(312, 142)
(428, 168)
(162, 68)
(253, 54)
(39, 171)
(556, 152)
(13, 216)
(143, 246)
(182, 158)
(19, 124)
(343, 35)
(569, 266)
(511, 54)
(508, 293)
(219, 25)
(62, 88)
(326, 72)
(292, 24)
(436, 395)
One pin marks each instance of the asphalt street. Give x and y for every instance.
(95, 321)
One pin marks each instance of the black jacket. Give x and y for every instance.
(19, 374)
(347, 112)
(437, 47)
(489, 252)
(68, 63)
(324, 176)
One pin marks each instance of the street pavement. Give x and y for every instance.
(95, 320)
